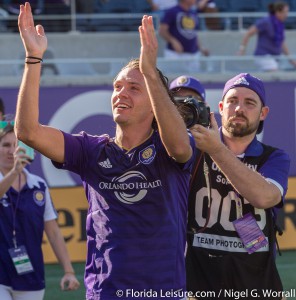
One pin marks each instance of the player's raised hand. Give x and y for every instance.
(34, 39)
(149, 45)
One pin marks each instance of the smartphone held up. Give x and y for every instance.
(28, 150)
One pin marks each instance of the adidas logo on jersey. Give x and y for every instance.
(106, 164)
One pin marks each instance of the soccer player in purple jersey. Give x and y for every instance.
(136, 183)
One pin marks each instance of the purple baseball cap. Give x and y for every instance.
(250, 82)
(188, 82)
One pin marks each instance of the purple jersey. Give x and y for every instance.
(268, 38)
(136, 222)
(30, 207)
(182, 25)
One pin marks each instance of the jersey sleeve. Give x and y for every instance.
(49, 212)
(276, 170)
(79, 150)
(190, 162)
(261, 25)
(168, 17)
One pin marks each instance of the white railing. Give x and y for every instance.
(83, 70)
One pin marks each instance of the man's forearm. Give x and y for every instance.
(170, 123)
(27, 111)
(248, 183)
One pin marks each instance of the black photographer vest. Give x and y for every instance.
(216, 260)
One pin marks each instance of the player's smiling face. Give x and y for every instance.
(130, 99)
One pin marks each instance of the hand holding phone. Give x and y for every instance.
(28, 150)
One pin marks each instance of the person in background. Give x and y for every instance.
(26, 211)
(238, 186)
(136, 183)
(190, 99)
(178, 28)
(160, 6)
(185, 86)
(271, 42)
(2, 109)
(209, 6)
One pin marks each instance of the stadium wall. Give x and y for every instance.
(127, 44)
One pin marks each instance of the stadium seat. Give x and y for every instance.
(292, 4)
(141, 6)
(244, 6)
(264, 5)
(113, 7)
(223, 5)
(116, 6)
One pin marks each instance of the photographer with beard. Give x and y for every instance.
(238, 186)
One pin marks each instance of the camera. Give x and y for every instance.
(193, 111)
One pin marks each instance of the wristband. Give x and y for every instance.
(39, 60)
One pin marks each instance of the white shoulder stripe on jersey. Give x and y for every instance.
(276, 184)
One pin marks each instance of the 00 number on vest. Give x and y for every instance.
(224, 216)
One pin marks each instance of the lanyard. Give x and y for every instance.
(238, 204)
(235, 196)
(208, 184)
(14, 209)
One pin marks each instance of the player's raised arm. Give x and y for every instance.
(48, 141)
(170, 124)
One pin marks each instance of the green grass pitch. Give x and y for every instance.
(286, 266)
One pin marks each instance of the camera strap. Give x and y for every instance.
(209, 190)
(208, 183)
(195, 168)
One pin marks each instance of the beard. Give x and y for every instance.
(239, 129)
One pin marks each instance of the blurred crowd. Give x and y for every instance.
(178, 20)
(157, 7)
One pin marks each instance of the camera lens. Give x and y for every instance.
(188, 113)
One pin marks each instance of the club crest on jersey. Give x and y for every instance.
(39, 198)
(147, 155)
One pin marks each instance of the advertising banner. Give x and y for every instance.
(71, 205)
